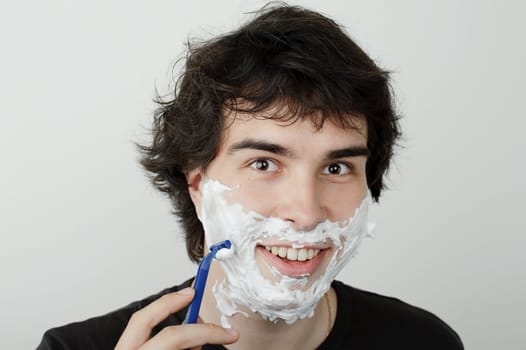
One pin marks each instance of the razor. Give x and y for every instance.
(202, 273)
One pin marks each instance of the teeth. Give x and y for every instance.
(294, 254)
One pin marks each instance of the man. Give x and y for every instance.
(277, 139)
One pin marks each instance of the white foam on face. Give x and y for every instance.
(224, 253)
(281, 297)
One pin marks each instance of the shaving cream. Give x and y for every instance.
(245, 288)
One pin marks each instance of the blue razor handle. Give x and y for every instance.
(200, 280)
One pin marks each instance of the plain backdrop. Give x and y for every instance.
(83, 232)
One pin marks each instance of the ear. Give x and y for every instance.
(194, 179)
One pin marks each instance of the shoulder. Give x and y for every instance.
(103, 332)
(390, 322)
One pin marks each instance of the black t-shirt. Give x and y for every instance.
(364, 321)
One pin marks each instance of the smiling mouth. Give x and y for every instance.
(294, 262)
(293, 254)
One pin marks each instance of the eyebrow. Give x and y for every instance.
(353, 151)
(261, 146)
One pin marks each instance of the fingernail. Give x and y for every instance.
(186, 291)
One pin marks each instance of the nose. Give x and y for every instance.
(301, 204)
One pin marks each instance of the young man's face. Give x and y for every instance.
(293, 172)
(284, 193)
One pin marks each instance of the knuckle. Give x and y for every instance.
(177, 337)
(210, 328)
(165, 297)
(138, 318)
(135, 317)
(166, 330)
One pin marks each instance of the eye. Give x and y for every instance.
(337, 169)
(265, 165)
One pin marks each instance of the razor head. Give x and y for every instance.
(220, 245)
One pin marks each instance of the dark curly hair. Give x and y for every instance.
(286, 56)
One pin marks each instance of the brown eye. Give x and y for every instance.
(261, 165)
(334, 169)
(266, 165)
(337, 169)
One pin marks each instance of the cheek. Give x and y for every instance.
(342, 201)
(254, 196)
(263, 197)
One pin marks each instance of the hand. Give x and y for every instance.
(138, 331)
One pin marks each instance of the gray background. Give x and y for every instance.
(83, 232)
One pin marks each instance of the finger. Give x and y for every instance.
(191, 335)
(141, 323)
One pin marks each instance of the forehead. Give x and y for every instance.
(278, 124)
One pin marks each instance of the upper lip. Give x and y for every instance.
(320, 246)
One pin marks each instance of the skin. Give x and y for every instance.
(137, 332)
(290, 171)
